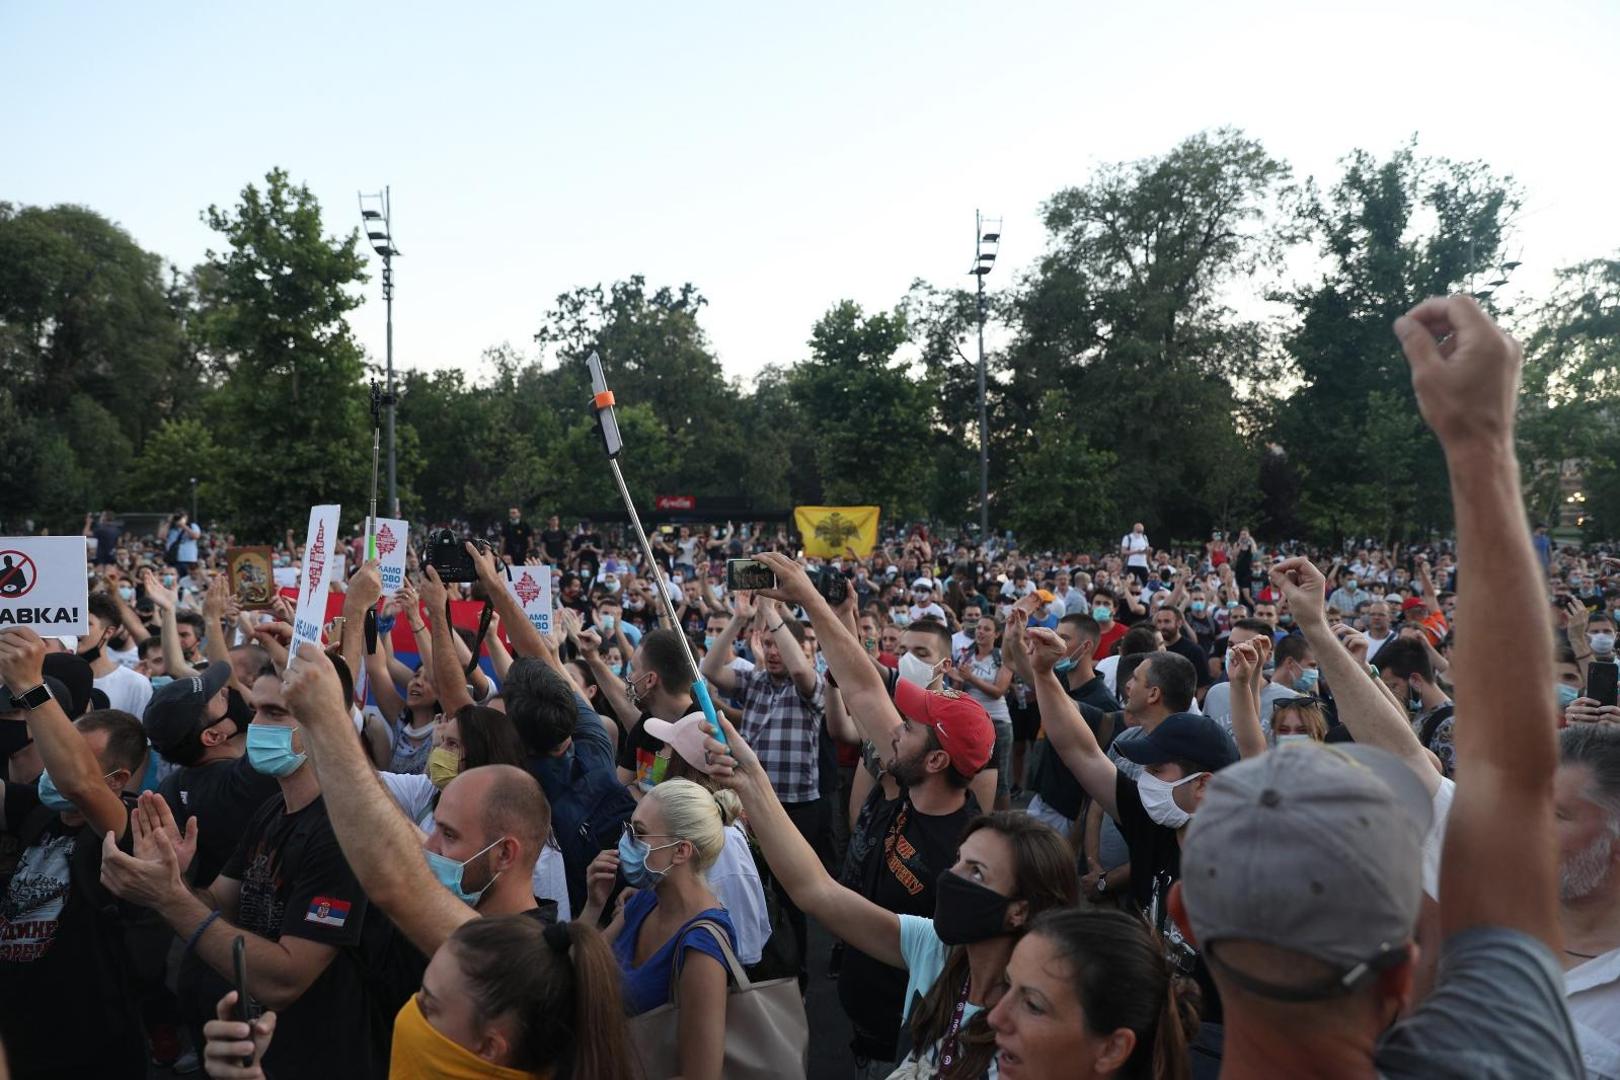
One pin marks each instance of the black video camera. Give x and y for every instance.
(830, 583)
(447, 554)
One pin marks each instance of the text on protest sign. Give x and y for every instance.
(531, 586)
(392, 545)
(321, 562)
(43, 584)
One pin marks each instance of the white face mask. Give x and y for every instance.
(916, 670)
(1602, 643)
(1159, 800)
(1284, 740)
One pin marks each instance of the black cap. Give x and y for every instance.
(1185, 737)
(176, 709)
(74, 673)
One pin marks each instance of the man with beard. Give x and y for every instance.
(936, 743)
(1587, 794)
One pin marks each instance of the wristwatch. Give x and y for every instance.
(32, 699)
(1102, 885)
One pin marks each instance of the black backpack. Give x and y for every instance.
(588, 818)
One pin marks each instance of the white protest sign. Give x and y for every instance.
(321, 565)
(393, 542)
(531, 585)
(44, 584)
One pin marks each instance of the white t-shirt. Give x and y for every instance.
(735, 881)
(126, 690)
(927, 611)
(1137, 545)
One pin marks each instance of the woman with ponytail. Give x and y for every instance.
(676, 834)
(1089, 995)
(505, 998)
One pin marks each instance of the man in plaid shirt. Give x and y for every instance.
(783, 704)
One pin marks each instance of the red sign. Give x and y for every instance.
(386, 542)
(675, 502)
(315, 559)
(527, 589)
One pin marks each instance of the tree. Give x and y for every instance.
(1389, 233)
(294, 400)
(869, 419)
(1075, 510)
(1126, 317)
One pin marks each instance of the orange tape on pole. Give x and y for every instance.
(604, 399)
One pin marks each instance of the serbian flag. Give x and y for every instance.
(328, 912)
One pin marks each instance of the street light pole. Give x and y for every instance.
(379, 223)
(985, 246)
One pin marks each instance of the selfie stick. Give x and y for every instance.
(376, 449)
(602, 405)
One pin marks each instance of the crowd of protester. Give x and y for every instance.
(1149, 811)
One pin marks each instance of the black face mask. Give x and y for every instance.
(237, 710)
(966, 912)
(91, 656)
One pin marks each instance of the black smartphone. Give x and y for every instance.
(1602, 682)
(749, 574)
(245, 1012)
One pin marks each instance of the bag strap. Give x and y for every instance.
(731, 962)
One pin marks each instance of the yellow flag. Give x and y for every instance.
(828, 530)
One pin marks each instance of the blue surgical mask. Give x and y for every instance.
(449, 872)
(126, 593)
(1308, 678)
(1566, 694)
(607, 624)
(708, 642)
(52, 799)
(270, 752)
(1197, 607)
(1102, 614)
(633, 852)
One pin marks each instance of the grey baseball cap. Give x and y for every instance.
(1315, 849)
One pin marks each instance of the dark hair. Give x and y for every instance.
(1406, 658)
(1128, 663)
(662, 654)
(541, 704)
(195, 620)
(1044, 877)
(150, 643)
(1597, 746)
(102, 607)
(1085, 626)
(1101, 593)
(487, 738)
(262, 664)
(1142, 639)
(1174, 676)
(1121, 980)
(1292, 647)
(795, 629)
(1253, 626)
(126, 739)
(565, 1004)
(936, 628)
(341, 666)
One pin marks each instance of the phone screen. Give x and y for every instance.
(749, 574)
(1603, 682)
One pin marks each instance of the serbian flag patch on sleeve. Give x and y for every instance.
(327, 911)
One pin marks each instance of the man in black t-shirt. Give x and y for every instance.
(587, 547)
(68, 1001)
(288, 891)
(553, 541)
(516, 535)
(1168, 622)
(899, 847)
(659, 685)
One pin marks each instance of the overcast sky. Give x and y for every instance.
(780, 158)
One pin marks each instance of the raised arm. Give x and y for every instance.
(716, 667)
(1067, 731)
(364, 590)
(866, 697)
(1465, 372)
(448, 681)
(165, 600)
(1245, 674)
(1364, 705)
(66, 754)
(381, 846)
(799, 668)
(849, 915)
(526, 640)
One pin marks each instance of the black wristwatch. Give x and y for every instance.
(32, 699)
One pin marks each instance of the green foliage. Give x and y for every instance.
(293, 397)
(1390, 233)
(1133, 373)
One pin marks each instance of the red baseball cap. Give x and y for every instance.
(959, 722)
